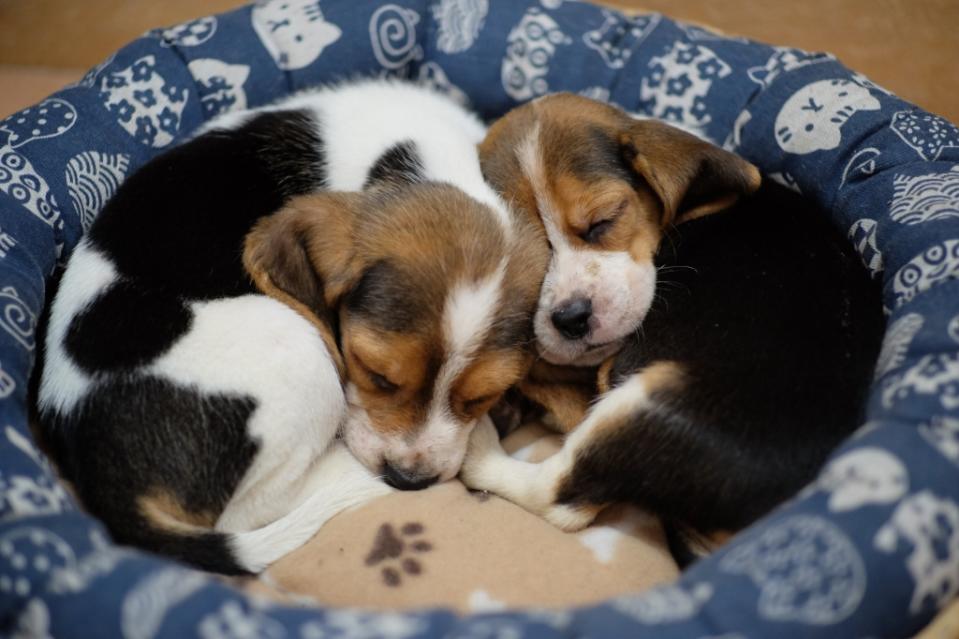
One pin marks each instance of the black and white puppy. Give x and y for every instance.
(198, 417)
(737, 346)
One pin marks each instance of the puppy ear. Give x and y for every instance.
(304, 255)
(691, 177)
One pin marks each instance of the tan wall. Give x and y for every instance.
(909, 46)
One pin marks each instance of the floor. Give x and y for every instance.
(908, 46)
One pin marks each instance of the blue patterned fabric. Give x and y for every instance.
(870, 549)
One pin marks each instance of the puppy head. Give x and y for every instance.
(433, 297)
(605, 187)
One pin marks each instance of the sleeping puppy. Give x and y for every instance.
(198, 417)
(736, 349)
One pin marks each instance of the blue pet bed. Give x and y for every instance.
(870, 549)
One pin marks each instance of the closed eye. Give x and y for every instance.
(378, 380)
(599, 228)
(382, 383)
(473, 405)
(596, 231)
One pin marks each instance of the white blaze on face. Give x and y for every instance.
(467, 317)
(439, 446)
(619, 289)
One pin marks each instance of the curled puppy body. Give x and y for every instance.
(198, 417)
(737, 347)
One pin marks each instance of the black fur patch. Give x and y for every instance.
(600, 156)
(126, 327)
(382, 297)
(777, 327)
(134, 435)
(400, 164)
(178, 223)
(175, 232)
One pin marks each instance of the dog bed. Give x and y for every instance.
(871, 548)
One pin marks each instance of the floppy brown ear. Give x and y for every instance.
(304, 255)
(690, 176)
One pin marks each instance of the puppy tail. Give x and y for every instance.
(205, 549)
(249, 552)
(339, 483)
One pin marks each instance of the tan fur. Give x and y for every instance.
(566, 404)
(663, 376)
(565, 392)
(400, 358)
(483, 382)
(164, 511)
(602, 375)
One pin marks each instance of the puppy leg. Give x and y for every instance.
(532, 486)
(553, 487)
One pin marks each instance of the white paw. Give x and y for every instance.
(482, 451)
(570, 518)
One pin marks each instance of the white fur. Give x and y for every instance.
(620, 289)
(88, 274)
(286, 368)
(438, 447)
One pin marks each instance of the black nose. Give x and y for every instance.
(571, 318)
(406, 480)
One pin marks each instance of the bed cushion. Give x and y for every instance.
(870, 549)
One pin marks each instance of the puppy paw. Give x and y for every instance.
(482, 453)
(570, 518)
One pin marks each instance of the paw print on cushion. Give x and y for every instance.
(397, 550)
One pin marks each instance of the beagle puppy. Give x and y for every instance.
(720, 356)
(192, 386)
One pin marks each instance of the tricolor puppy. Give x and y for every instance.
(198, 417)
(738, 347)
